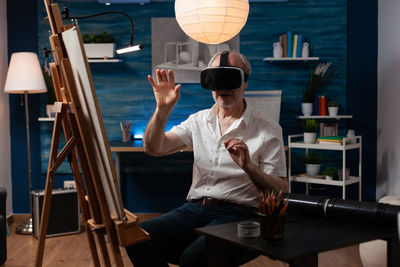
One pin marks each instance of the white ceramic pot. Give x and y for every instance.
(327, 177)
(105, 50)
(310, 138)
(307, 108)
(313, 169)
(50, 111)
(333, 111)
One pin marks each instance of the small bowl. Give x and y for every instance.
(248, 229)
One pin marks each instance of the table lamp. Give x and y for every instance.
(25, 77)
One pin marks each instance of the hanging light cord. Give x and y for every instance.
(65, 12)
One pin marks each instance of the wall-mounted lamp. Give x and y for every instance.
(130, 47)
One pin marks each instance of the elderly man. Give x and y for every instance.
(237, 153)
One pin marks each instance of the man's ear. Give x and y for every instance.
(245, 85)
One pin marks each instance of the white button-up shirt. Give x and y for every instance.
(215, 174)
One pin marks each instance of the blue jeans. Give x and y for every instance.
(173, 239)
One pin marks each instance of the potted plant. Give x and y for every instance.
(314, 82)
(307, 105)
(333, 108)
(51, 95)
(99, 45)
(330, 173)
(310, 131)
(313, 163)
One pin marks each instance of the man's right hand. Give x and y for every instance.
(165, 91)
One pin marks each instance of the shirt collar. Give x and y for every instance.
(212, 113)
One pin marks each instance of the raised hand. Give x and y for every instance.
(239, 152)
(165, 91)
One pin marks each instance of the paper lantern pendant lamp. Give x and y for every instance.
(211, 21)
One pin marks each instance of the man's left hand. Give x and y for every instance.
(239, 152)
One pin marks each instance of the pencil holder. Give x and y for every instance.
(125, 135)
(273, 226)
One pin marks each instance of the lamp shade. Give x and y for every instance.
(24, 74)
(211, 21)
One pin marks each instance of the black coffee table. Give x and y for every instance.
(303, 239)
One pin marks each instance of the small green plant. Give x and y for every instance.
(317, 77)
(333, 104)
(330, 171)
(310, 126)
(308, 96)
(104, 37)
(313, 158)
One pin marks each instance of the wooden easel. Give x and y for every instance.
(69, 117)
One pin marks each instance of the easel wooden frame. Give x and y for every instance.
(69, 117)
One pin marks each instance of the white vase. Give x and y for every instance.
(305, 50)
(310, 138)
(307, 108)
(277, 50)
(333, 111)
(313, 169)
(50, 111)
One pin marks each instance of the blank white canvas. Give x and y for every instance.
(101, 157)
(267, 102)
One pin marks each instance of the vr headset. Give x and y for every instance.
(223, 77)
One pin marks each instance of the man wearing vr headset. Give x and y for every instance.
(237, 152)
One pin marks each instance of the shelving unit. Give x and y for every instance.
(101, 60)
(46, 119)
(289, 59)
(338, 117)
(348, 143)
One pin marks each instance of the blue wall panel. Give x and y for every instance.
(362, 84)
(123, 90)
(22, 37)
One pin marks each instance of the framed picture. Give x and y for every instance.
(173, 49)
(328, 129)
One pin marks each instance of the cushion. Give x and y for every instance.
(373, 253)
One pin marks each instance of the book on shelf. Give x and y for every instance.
(284, 44)
(292, 44)
(299, 45)
(331, 140)
(294, 47)
(289, 44)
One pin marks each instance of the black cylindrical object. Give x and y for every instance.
(352, 210)
(306, 205)
(360, 211)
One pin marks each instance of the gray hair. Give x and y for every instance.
(245, 61)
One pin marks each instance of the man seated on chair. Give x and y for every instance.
(237, 152)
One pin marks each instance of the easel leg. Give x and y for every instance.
(48, 190)
(85, 209)
(103, 247)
